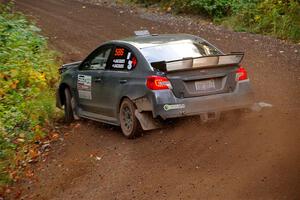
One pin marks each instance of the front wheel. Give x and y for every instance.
(69, 114)
(129, 123)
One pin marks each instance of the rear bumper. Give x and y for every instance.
(166, 105)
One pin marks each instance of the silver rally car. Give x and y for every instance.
(141, 81)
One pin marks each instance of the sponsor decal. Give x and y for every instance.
(128, 55)
(131, 63)
(85, 94)
(118, 66)
(174, 107)
(84, 86)
(119, 61)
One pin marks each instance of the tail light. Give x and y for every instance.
(158, 83)
(241, 74)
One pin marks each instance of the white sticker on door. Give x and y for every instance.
(84, 87)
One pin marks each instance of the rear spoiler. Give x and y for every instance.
(233, 58)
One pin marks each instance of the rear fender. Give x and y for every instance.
(143, 104)
(144, 112)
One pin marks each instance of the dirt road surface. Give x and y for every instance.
(253, 156)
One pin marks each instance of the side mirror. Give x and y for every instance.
(85, 65)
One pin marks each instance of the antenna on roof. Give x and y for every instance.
(142, 33)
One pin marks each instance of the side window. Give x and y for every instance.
(99, 60)
(123, 59)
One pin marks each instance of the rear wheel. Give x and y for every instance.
(69, 114)
(129, 123)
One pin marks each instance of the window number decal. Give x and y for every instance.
(84, 87)
(124, 59)
(119, 52)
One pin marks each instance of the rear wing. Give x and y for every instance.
(234, 58)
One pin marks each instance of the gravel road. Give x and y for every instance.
(249, 156)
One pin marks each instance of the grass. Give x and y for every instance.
(28, 76)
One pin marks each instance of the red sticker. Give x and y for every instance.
(134, 61)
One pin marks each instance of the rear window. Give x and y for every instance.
(178, 50)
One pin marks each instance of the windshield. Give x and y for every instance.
(178, 50)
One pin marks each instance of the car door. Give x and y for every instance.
(116, 77)
(89, 80)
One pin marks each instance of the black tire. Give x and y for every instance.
(130, 125)
(69, 114)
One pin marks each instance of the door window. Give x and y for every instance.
(123, 59)
(99, 60)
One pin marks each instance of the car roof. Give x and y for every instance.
(141, 42)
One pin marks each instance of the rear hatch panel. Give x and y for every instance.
(201, 82)
(194, 77)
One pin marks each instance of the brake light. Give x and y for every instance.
(158, 83)
(241, 74)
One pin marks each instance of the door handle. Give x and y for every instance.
(123, 81)
(98, 80)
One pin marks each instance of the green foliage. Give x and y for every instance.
(275, 17)
(212, 8)
(28, 73)
(280, 18)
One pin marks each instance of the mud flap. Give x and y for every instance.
(74, 108)
(146, 120)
